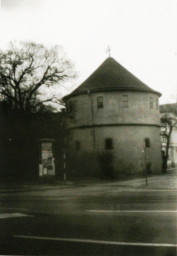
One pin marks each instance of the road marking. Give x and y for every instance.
(132, 211)
(90, 241)
(13, 215)
(13, 208)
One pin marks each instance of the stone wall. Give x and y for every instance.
(128, 153)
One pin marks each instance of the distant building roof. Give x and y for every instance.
(111, 76)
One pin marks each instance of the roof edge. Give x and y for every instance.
(110, 89)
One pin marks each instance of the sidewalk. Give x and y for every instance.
(163, 181)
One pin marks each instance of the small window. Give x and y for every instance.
(157, 104)
(147, 142)
(78, 145)
(125, 101)
(108, 143)
(100, 102)
(151, 102)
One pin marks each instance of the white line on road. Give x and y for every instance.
(90, 241)
(13, 215)
(13, 208)
(132, 211)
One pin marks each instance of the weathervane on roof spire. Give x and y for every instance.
(108, 50)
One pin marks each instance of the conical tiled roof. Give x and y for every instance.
(111, 76)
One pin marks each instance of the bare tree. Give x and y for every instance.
(27, 69)
(168, 122)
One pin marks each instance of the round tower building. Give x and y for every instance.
(115, 126)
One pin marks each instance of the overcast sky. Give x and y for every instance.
(142, 34)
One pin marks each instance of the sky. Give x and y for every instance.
(142, 35)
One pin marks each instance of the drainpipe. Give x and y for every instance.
(92, 118)
(146, 176)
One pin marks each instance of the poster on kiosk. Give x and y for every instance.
(47, 166)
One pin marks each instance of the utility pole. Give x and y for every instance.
(146, 145)
(64, 166)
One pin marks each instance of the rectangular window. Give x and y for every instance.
(100, 102)
(151, 102)
(108, 143)
(147, 143)
(157, 104)
(78, 145)
(125, 101)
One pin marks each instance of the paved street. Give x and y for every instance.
(110, 218)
